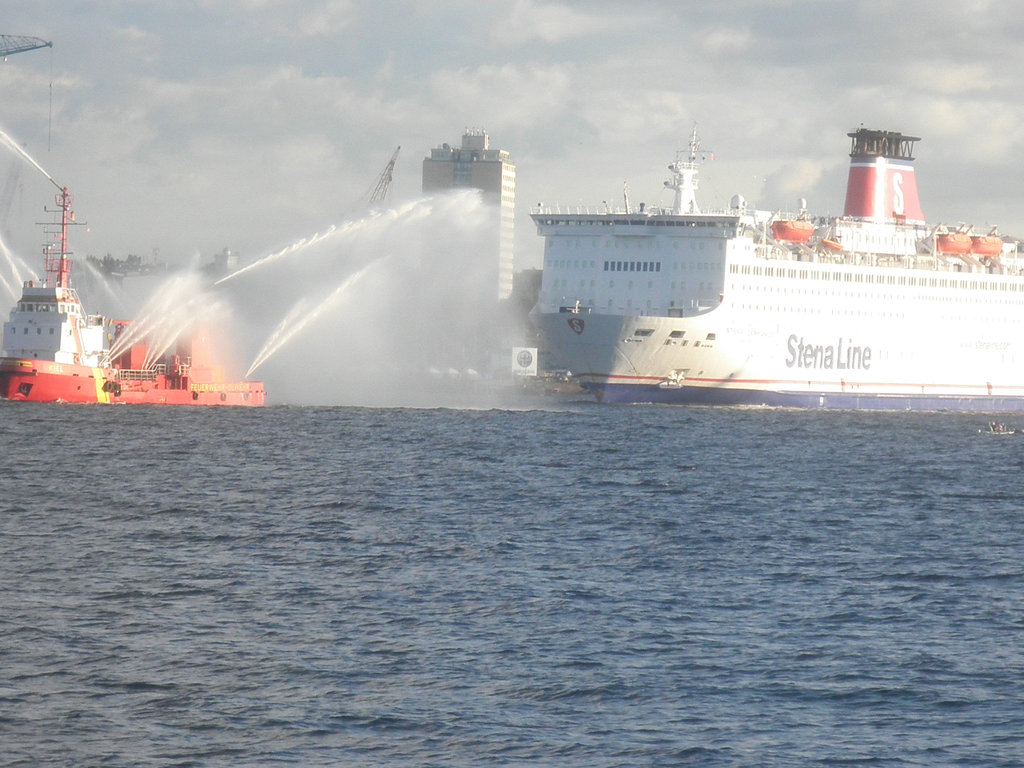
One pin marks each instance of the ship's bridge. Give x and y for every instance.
(554, 223)
(48, 323)
(646, 262)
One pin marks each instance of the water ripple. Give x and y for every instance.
(410, 588)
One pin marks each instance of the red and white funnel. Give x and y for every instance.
(881, 185)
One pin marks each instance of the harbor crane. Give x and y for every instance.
(380, 191)
(20, 43)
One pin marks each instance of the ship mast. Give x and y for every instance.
(684, 179)
(58, 266)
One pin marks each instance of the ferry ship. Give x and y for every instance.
(874, 309)
(54, 352)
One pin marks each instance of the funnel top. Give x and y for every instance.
(891, 144)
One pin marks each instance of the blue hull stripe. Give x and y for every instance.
(642, 393)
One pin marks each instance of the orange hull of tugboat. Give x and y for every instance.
(42, 381)
(792, 230)
(46, 382)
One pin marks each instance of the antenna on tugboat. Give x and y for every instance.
(58, 266)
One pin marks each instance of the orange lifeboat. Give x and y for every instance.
(792, 230)
(953, 242)
(986, 245)
(832, 245)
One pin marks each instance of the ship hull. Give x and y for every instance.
(738, 396)
(726, 358)
(42, 381)
(47, 382)
(231, 394)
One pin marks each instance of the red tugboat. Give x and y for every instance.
(54, 352)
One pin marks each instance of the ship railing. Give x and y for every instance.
(604, 210)
(141, 374)
(581, 210)
(925, 262)
(136, 374)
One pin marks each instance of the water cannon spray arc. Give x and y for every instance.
(54, 352)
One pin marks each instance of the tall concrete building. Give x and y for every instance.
(475, 165)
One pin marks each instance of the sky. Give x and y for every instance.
(184, 127)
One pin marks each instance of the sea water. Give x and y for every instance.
(566, 585)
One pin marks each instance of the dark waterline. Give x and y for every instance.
(590, 586)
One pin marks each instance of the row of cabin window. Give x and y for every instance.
(654, 266)
(26, 307)
(632, 266)
(855, 277)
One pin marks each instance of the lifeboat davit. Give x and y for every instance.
(986, 245)
(953, 242)
(792, 230)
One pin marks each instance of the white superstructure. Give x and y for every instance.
(871, 309)
(48, 323)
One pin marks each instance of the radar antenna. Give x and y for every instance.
(684, 177)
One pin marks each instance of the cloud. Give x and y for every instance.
(791, 182)
(550, 23)
(208, 125)
(726, 39)
(327, 19)
(941, 76)
(509, 94)
(134, 34)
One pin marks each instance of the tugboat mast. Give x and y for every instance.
(58, 266)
